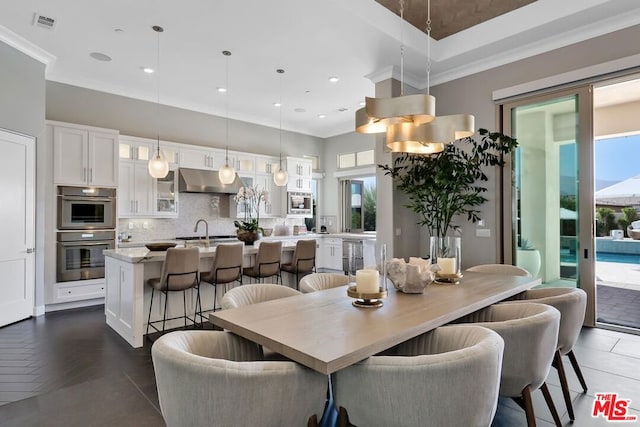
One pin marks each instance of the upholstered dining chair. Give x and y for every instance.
(572, 304)
(215, 378)
(319, 281)
(180, 272)
(530, 333)
(267, 261)
(447, 377)
(500, 269)
(255, 293)
(226, 268)
(303, 260)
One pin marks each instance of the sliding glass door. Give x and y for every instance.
(548, 202)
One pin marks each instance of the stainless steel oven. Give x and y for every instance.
(84, 208)
(79, 254)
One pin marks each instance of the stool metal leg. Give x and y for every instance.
(150, 306)
(164, 318)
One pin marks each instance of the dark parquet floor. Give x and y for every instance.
(69, 369)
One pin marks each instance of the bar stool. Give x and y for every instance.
(267, 261)
(227, 268)
(303, 259)
(180, 272)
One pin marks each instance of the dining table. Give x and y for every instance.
(324, 331)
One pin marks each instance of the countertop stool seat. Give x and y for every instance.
(226, 268)
(179, 273)
(267, 261)
(303, 260)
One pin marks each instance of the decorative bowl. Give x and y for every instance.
(160, 246)
(266, 232)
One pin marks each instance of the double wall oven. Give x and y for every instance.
(86, 227)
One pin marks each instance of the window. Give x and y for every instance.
(359, 204)
(360, 158)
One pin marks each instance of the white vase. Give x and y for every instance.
(529, 259)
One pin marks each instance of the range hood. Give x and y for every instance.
(205, 181)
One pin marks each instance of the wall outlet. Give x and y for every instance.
(398, 231)
(145, 225)
(483, 232)
(130, 226)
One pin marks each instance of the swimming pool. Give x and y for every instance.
(606, 257)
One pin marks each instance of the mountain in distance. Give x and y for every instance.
(568, 185)
(604, 183)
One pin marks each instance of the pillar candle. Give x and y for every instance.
(367, 281)
(447, 265)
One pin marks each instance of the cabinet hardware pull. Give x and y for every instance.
(90, 174)
(84, 174)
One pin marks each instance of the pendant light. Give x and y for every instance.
(280, 175)
(158, 165)
(408, 130)
(227, 174)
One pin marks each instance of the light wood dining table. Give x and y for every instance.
(325, 332)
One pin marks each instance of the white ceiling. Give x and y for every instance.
(356, 40)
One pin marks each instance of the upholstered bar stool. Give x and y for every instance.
(530, 333)
(572, 304)
(447, 377)
(319, 281)
(179, 273)
(267, 261)
(303, 260)
(215, 378)
(226, 268)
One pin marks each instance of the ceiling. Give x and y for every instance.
(355, 40)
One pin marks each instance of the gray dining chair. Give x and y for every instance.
(509, 269)
(319, 281)
(530, 333)
(572, 304)
(447, 377)
(215, 378)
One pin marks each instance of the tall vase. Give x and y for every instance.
(447, 253)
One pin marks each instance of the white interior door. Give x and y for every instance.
(17, 215)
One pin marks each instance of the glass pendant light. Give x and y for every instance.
(158, 165)
(280, 175)
(227, 173)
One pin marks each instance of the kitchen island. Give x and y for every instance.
(127, 298)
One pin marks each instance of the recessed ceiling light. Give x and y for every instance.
(307, 91)
(148, 70)
(100, 56)
(277, 104)
(119, 30)
(334, 79)
(222, 89)
(322, 116)
(342, 110)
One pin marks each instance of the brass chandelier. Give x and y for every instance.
(410, 122)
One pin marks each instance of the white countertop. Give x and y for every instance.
(141, 254)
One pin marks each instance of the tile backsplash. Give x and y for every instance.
(191, 207)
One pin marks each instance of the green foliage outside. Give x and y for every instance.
(369, 197)
(628, 216)
(605, 222)
(568, 202)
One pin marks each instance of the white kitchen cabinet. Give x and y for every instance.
(243, 163)
(202, 158)
(135, 189)
(273, 206)
(77, 290)
(267, 165)
(85, 156)
(300, 175)
(331, 257)
(165, 203)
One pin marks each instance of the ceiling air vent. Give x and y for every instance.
(43, 21)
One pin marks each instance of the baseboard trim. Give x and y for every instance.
(74, 304)
(38, 310)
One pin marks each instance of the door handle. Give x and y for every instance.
(30, 250)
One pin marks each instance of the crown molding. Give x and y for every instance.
(393, 72)
(25, 46)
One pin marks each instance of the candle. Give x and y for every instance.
(367, 281)
(447, 265)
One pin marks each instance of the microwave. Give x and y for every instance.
(86, 208)
(299, 204)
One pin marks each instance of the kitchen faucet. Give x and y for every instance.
(206, 230)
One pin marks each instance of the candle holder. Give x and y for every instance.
(367, 300)
(448, 279)
(446, 252)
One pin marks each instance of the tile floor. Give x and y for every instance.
(69, 369)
